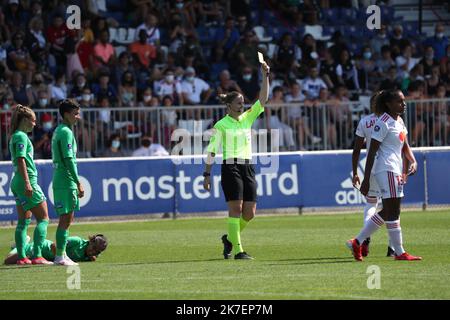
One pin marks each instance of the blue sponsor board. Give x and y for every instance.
(135, 186)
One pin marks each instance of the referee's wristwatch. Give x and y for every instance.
(206, 174)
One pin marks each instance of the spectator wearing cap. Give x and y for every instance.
(149, 149)
(143, 52)
(195, 90)
(439, 41)
(150, 26)
(42, 136)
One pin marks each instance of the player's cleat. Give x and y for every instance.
(24, 261)
(407, 256)
(355, 248)
(243, 256)
(227, 247)
(64, 261)
(390, 252)
(365, 247)
(41, 260)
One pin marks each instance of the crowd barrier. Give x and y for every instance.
(127, 186)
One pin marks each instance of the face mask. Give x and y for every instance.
(367, 55)
(47, 126)
(247, 77)
(115, 144)
(440, 35)
(6, 106)
(190, 79)
(86, 97)
(147, 98)
(180, 5)
(170, 78)
(43, 102)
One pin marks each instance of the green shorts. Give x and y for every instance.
(18, 190)
(66, 201)
(47, 252)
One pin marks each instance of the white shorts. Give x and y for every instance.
(374, 190)
(390, 184)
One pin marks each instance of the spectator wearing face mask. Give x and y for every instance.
(439, 42)
(150, 149)
(169, 86)
(78, 86)
(114, 147)
(428, 61)
(43, 101)
(195, 90)
(249, 85)
(43, 133)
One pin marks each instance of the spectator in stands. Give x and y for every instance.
(57, 34)
(192, 49)
(218, 64)
(242, 24)
(43, 100)
(414, 75)
(59, 88)
(78, 86)
(18, 57)
(169, 86)
(85, 50)
(441, 125)
(169, 120)
(124, 65)
(439, 42)
(227, 85)
(104, 89)
(36, 42)
(346, 71)
(104, 122)
(113, 147)
(39, 84)
(428, 61)
(150, 149)
(42, 136)
(249, 84)
(148, 118)
(312, 84)
(127, 90)
(246, 53)
(177, 33)
(273, 115)
(433, 82)
(143, 52)
(418, 111)
(13, 16)
(328, 70)
(309, 50)
(444, 60)
(195, 90)
(104, 52)
(22, 93)
(73, 65)
(150, 26)
(397, 40)
(385, 62)
(227, 37)
(340, 127)
(207, 13)
(338, 46)
(377, 43)
(287, 55)
(390, 81)
(367, 74)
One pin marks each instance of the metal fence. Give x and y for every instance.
(299, 126)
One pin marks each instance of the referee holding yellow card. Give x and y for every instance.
(233, 132)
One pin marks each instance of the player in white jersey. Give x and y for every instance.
(388, 143)
(373, 198)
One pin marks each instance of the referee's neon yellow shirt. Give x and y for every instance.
(235, 136)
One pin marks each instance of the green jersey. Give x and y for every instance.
(64, 146)
(76, 248)
(20, 146)
(235, 135)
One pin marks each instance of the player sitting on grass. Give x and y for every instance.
(78, 249)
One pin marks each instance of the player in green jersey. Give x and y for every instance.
(238, 182)
(78, 249)
(29, 197)
(67, 188)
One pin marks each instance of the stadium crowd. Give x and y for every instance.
(186, 52)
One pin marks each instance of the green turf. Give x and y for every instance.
(297, 257)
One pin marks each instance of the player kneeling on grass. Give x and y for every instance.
(77, 249)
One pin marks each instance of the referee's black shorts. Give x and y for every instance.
(238, 180)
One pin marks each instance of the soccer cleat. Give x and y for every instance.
(390, 252)
(243, 256)
(24, 261)
(355, 248)
(407, 256)
(41, 260)
(365, 247)
(64, 261)
(227, 247)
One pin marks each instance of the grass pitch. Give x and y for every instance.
(297, 257)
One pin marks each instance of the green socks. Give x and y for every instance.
(40, 233)
(21, 236)
(234, 234)
(243, 223)
(61, 240)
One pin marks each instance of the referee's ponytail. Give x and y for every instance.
(229, 97)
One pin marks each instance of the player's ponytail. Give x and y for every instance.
(19, 113)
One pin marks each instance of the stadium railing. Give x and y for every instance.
(311, 126)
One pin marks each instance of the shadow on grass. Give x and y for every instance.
(307, 261)
(162, 262)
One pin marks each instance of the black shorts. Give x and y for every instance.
(238, 182)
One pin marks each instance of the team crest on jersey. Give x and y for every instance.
(69, 146)
(402, 136)
(376, 128)
(21, 146)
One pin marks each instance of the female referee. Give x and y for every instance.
(238, 174)
(29, 196)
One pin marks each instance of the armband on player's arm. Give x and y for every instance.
(72, 167)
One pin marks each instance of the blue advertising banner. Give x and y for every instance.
(136, 186)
